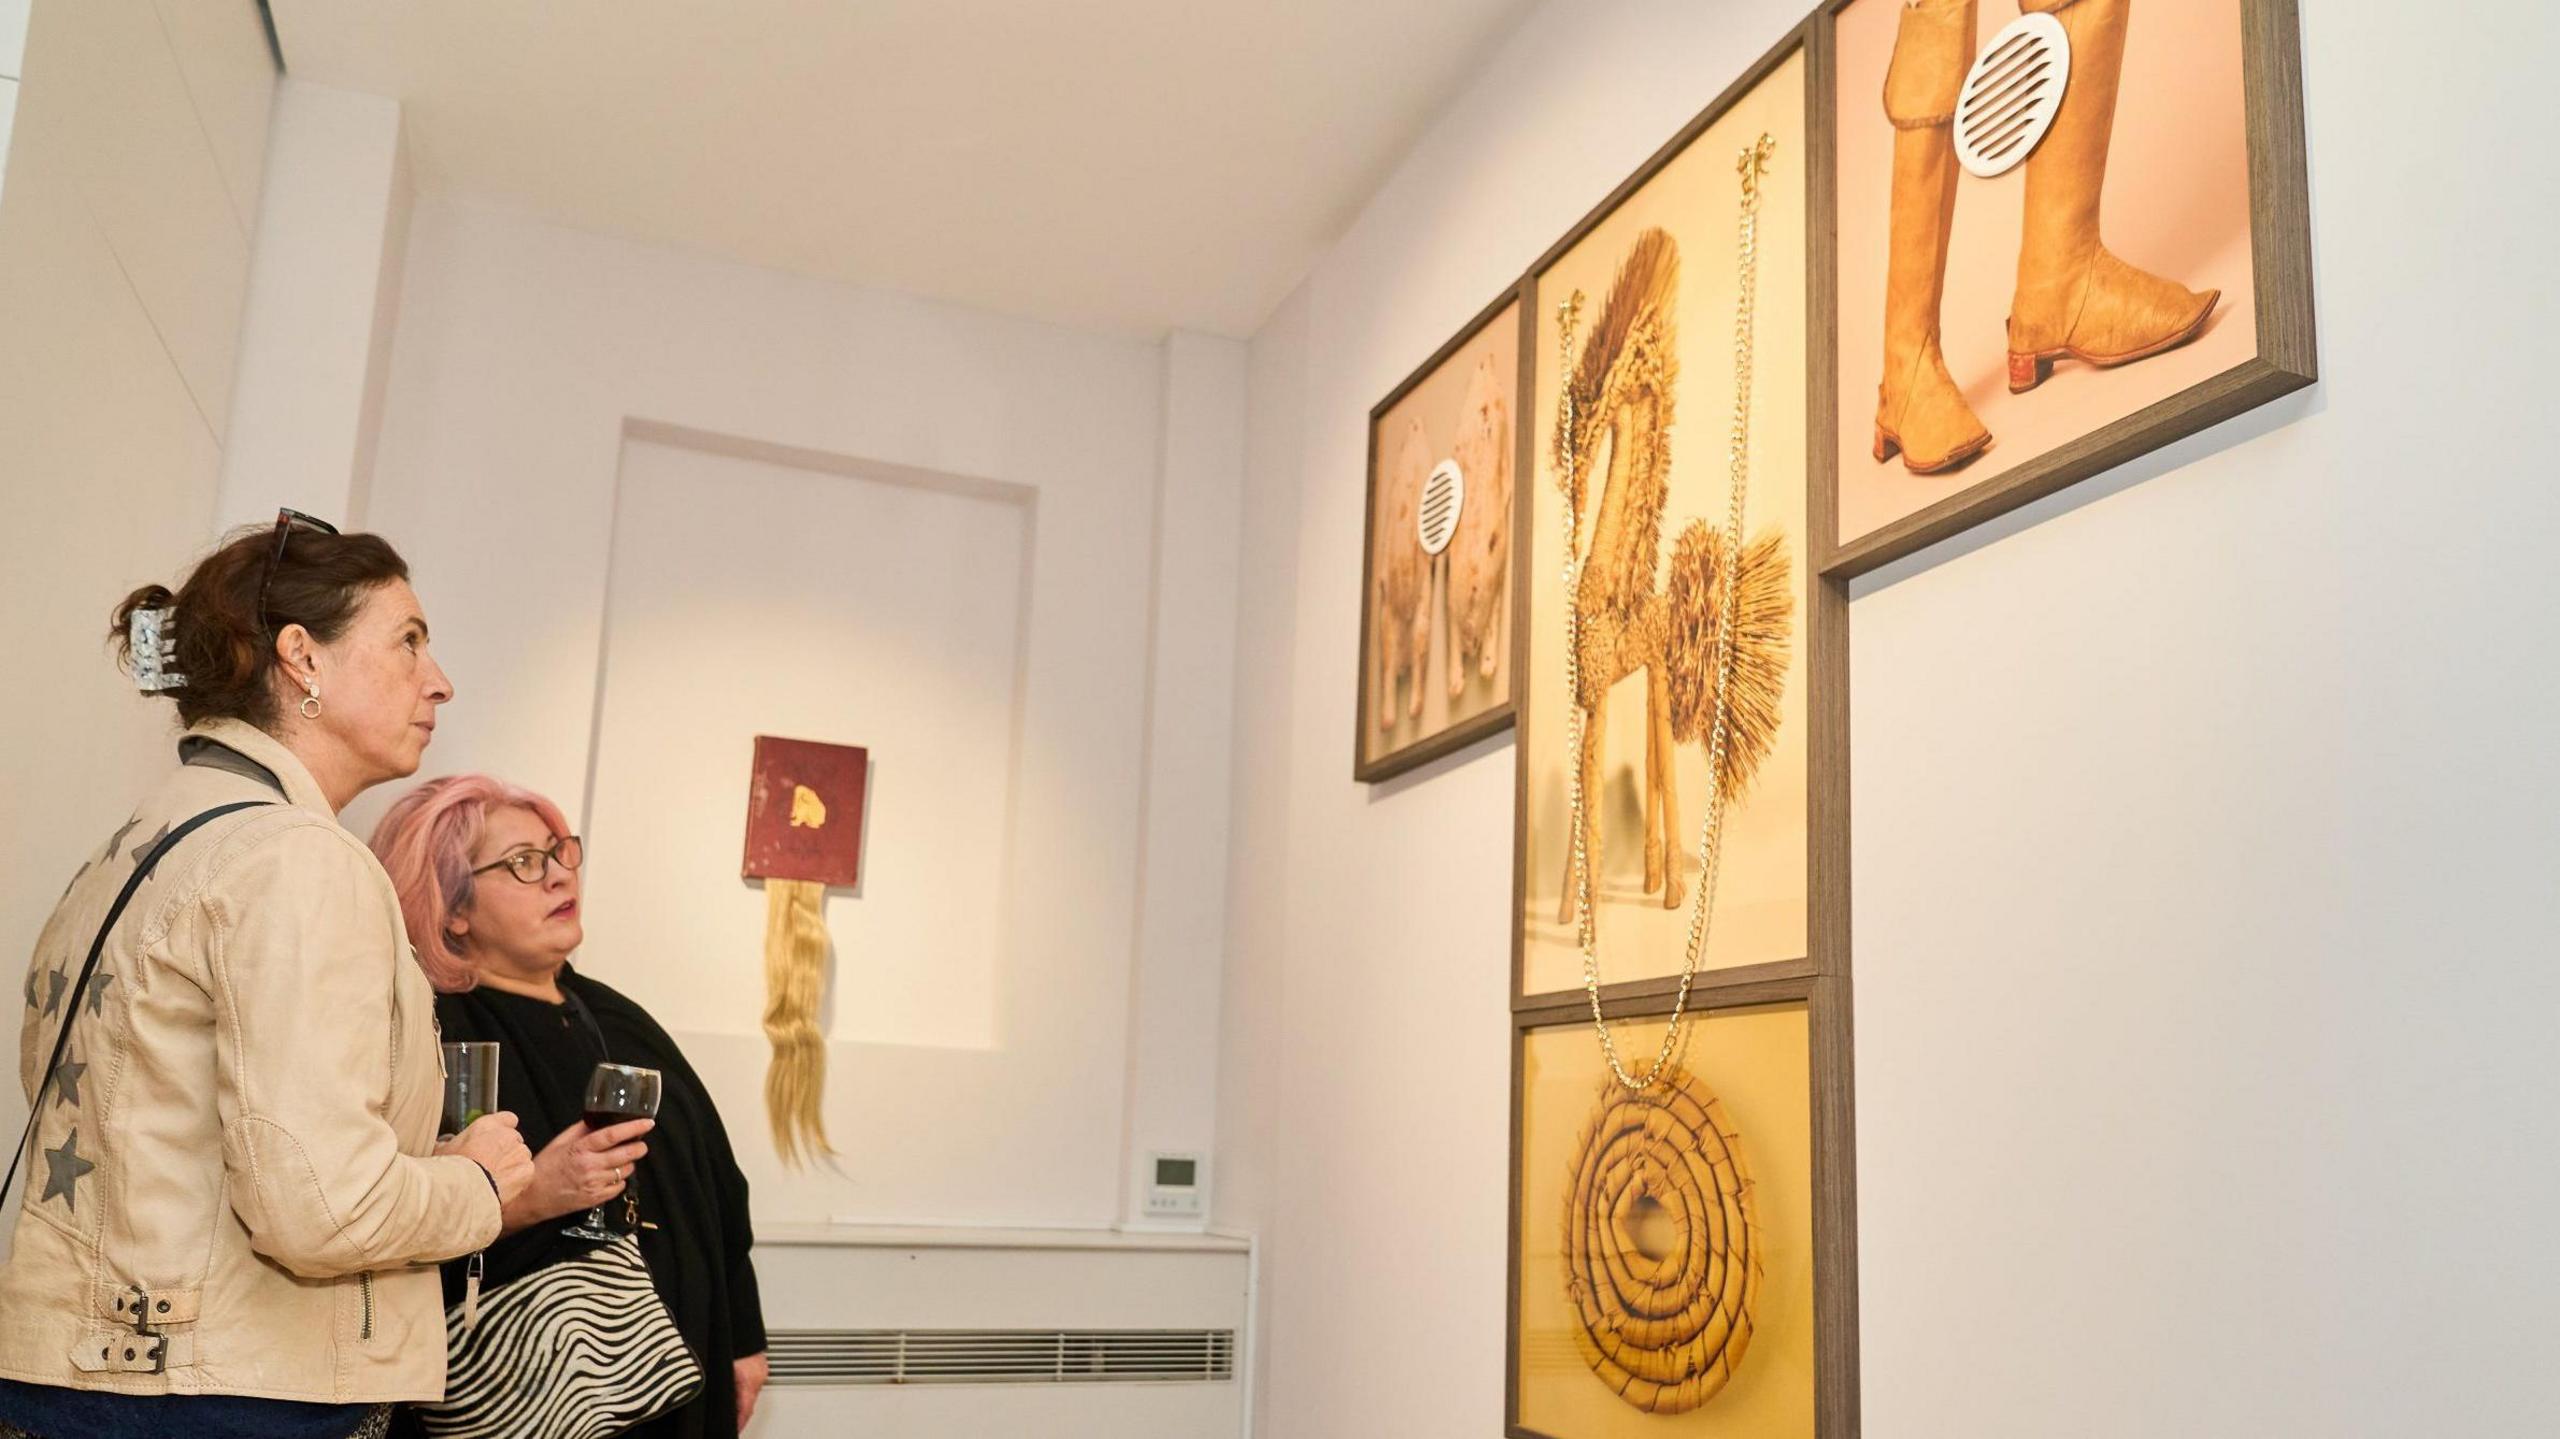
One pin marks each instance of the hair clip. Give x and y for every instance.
(151, 637)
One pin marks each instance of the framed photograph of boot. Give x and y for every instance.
(2066, 233)
(1442, 582)
(1679, 683)
(1682, 1252)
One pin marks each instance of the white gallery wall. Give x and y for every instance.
(2203, 830)
(323, 306)
(744, 503)
(2204, 826)
(133, 184)
(755, 596)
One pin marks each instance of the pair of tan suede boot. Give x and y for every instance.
(2074, 297)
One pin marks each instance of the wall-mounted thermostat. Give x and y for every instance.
(1177, 1187)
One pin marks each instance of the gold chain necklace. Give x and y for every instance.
(1752, 163)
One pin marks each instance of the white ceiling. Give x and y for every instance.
(1130, 165)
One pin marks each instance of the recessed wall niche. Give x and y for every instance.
(754, 590)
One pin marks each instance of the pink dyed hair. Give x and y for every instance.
(425, 842)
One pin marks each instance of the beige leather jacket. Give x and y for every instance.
(239, 1147)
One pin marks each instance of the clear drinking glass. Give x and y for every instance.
(470, 1083)
(616, 1093)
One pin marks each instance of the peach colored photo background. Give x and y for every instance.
(2176, 203)
(1439, 402)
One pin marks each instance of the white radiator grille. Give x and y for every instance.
(1000, 1356)
(1444, 495)
(2012, 94)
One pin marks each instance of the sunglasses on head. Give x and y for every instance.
(287, 521)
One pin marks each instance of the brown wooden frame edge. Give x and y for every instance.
(1501, 717)
(1832, 1079)
(2287, 358)
(1721, 984)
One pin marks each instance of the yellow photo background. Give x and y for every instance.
(1756, 1061)
(1760, 913)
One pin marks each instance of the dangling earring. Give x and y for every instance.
(310, 706)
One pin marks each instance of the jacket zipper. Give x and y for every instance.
(366, 1282)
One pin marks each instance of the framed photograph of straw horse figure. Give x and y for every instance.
(1678, 643)
(2067, 233)
(1683, 1236)
(1441, 583)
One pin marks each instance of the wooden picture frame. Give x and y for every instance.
(2280, 311)
(1832, 1200)
(1374, 757)
(1821, 664)
(1818, 978)
(2279, 277)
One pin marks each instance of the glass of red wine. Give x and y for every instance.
(616, 1093)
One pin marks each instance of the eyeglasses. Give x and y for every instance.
(530, 866)
(285, 522)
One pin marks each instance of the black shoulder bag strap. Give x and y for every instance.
(587, 1020)
(89, 966)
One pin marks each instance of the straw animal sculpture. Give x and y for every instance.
(1623, 394)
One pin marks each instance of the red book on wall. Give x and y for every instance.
(804, 811)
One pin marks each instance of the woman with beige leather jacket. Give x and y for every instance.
(234, 1200)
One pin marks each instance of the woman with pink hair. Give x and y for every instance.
(488, 880)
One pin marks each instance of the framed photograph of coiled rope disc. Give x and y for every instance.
(1442, 583)
(2067, 236)
(1673, 687)
(1681, 1263)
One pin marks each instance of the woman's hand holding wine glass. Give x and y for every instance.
(616, 1095)
(579, 1169)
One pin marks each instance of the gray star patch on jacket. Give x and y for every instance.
(143, 852)
(66, 1081)
(64, 1169)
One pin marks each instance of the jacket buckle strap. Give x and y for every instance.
(133, 1307)
(148, 1309)
(116, 1352)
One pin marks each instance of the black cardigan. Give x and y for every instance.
(689, 1186)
